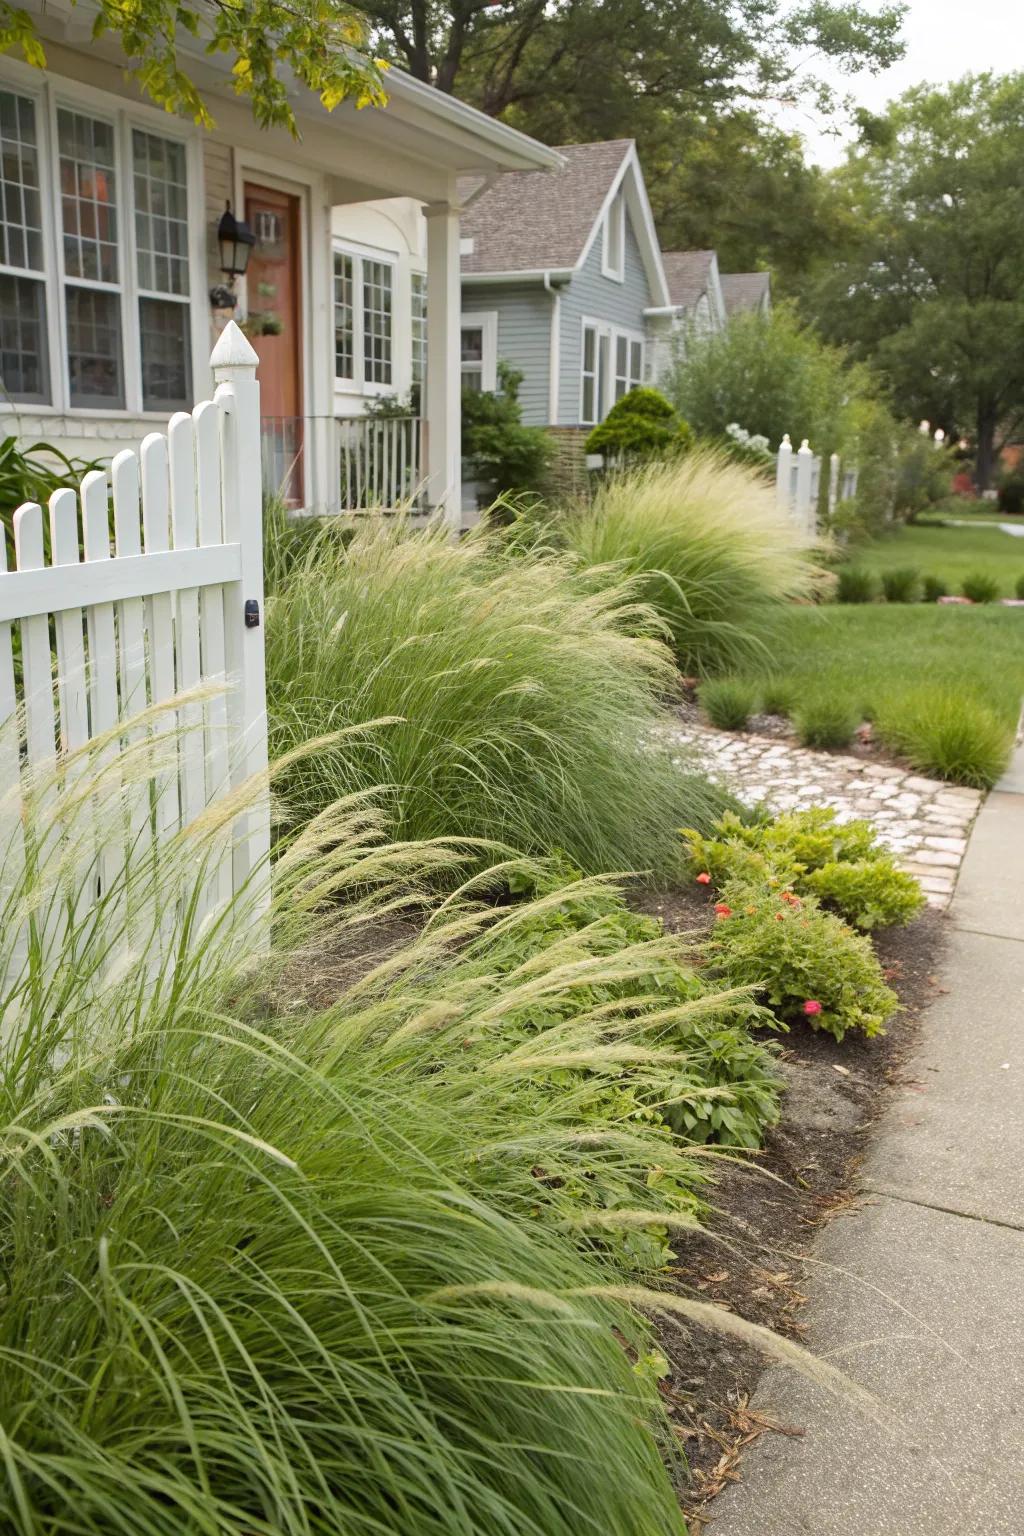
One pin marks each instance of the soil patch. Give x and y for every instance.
(767, 1212)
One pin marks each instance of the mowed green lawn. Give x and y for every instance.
(947, 552)
(872, 653)
(943, 683)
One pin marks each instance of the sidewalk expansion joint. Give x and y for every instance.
(886, 1192)
(984, 933)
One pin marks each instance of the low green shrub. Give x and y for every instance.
(497, 447)
(825, 722)
(640, 425)
(812, 968)
(980, 587)
(948, 735)
(1011, 492)
(869, 893)
(934, 588)
(902, 585)
(811, 853)
(728, 702)
(709, 549)
(854, 585)
(1019, 588)
(509, 700)
(777, 697)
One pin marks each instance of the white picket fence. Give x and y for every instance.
(798, 483)
(177, 603)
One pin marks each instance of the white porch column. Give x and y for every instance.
(443, 405)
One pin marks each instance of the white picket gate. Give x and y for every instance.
(798, 484)
(177, 603)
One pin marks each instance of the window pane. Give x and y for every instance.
(94, 347)
(166, 354)
(344, 359)
(419, 327)
(636, 362)
(472, 378)
(23, 357)
(588, 397)
(621, 355)
(21, 237)
(589, 343)
(472, 344)
(161, 212)
(88, 196)
(376, 322)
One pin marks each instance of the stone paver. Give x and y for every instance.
(924, 821)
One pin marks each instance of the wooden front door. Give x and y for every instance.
(274, 297)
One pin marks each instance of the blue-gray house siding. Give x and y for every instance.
(524, 337)
(524, 325)
(592, 296)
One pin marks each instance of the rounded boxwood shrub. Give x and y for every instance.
(728, 703)
(642, 425)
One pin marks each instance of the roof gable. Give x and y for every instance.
(547, 221)
(745, 291)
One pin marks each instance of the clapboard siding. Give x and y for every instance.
(524, 337)
(218, 191)
(596, 297)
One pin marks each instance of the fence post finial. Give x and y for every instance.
(784, 475)
(232, 351)
(804, 509)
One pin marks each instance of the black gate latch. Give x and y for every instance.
(252, 613)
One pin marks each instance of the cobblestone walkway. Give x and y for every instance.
(924, 821)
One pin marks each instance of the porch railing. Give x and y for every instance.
(380, 461)
(377, 463)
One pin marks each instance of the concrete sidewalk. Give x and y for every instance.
(919, 1292)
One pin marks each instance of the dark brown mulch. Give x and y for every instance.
(751, 1259)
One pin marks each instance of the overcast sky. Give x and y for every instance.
(945, 39)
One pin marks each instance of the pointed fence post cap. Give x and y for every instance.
(232, 350)
(785, 441)
(805, 446)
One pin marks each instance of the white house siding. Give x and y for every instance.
(524, 337)
(392, 230)
(218, 191)
(593, 296)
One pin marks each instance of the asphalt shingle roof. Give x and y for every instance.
(529, 221)
(744, 290)
(687, 274)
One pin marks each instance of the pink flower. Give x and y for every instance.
(811, 1008)
(721, 910)
(704, 879)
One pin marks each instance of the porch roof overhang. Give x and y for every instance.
(413, 147)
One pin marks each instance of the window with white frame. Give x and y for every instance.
(24, 372)
(479, 351)
(611, 364)
(121, 316)
(363, 318)
(629, 363)
(613, 240)
(418, 296)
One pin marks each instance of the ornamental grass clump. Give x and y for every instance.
(825, 722)
(728, 702)
(948, 735)
(517, 701)
(980, 587)
(902, 585)
(854, 585)
(286, 1266)
(708, 548)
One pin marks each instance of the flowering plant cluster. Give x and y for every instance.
(811, 854)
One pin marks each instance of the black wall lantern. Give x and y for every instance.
(236, 241)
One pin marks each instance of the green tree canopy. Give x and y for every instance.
(322, 43)
(928, 281)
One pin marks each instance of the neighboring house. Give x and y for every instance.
(562, 279)
(747, 293)
(697, 305)
(111, 288)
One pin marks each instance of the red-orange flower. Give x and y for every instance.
(721, 910)
(704, 879)
(791, 897)
(811, 1007)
